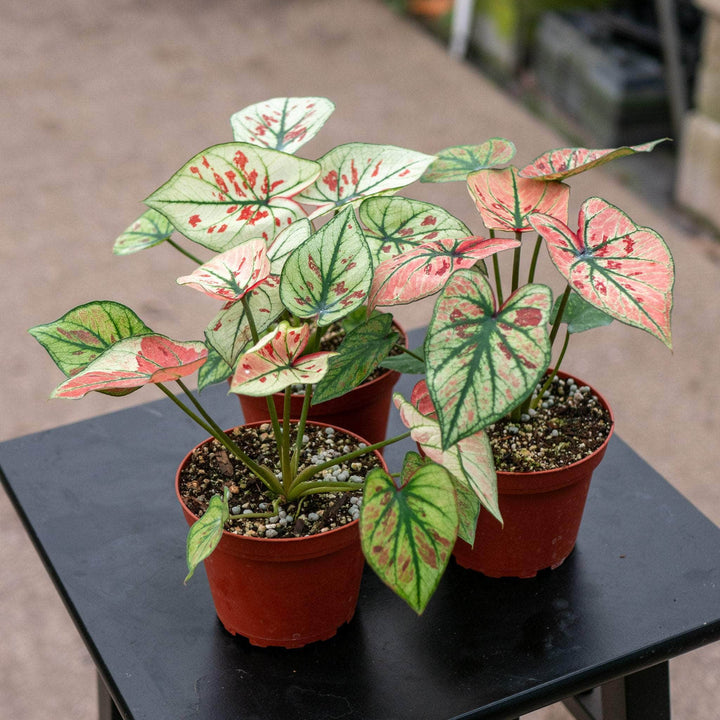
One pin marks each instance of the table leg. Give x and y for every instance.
(107, 710)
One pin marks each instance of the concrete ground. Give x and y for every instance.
(102, 102)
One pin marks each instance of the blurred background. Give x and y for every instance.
(103, 101)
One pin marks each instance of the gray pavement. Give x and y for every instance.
(101, 102)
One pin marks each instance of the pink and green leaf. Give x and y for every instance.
(505, 200)
(234, 192)
(276, 362)
(351, 172)
(150, 229)
(396, 224)
(330, 273)
(456, 163)
(424, 270)
(205, 533)
(408, 533)
(281, 123)
(482, 361)
(133, 362)
(231, 274)
(619, 267)
(565, 162)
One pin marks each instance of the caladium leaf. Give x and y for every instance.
(234, 192)
(358, 355)
(396, 224)
(330, 273)
(424, 270)
(350, 172)
(206, 533)
(621, 268)
(456, 163)
(150, 229)
(408, 533)
(281, 123)
(231, 274)
(214, 370)
(505, 200)
(482, 361)
(469, 462)
(565, 162)
(406, 363)
(133, 362)
(580, 315)
(276, 362)
(285, 242)
(85, 332)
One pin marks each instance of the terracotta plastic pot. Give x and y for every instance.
(542, 512)
(284, 592)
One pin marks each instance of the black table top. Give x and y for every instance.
(643, 585)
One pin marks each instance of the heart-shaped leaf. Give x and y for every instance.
(214, 370)
(396, 224)
(206, 533)
(621, 268)
(350, 172)
(580, 315)
(85, 332)
(358, 355)
(285, 242)
(456, 163)
(281, 123)
(276, 362)
(408, 533)
(234, 192)
(481, 361)
(565, 162)
(133, 362)
(330, 273)
(410, 364)
(150, 229)
(505, 200)
(231, 274)
(424, 270)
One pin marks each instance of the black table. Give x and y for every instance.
(642, 586)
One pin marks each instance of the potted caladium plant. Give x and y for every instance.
(490, 346)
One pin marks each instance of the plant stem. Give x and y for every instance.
(411, 353)
(301, 427)
(533, 261)
(560, 312)
(285, 466)
(498, 277)
(552, 375)
(182, 250)
(516, 263)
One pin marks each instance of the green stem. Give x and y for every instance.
(548, 382)
(182, 250)
(560, 312)
(498, 277)
(301, 427)
(516, 263)
(533, 261)
(411, 353)
(316, 487)
(287, 474)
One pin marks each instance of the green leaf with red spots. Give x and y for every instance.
(482, 361)
(206, 532)
(276, 362)
(565, 162)
(424, 270)
(85, 332)
(231, 274)
(234, 192)
(505, 200)
(282, 123)
(456, 163)
(621, 268)
(150, 229)
(408, 533)
(396, 224)
(351, 172)
(133, 362)
(330, 273)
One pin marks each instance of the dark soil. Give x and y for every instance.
(212, 468)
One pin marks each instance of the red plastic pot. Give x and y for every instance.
(284, 592)
(542, 512)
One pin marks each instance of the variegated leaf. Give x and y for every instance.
(231, 274)
(424, 270)
(505, 200)
(286, 241)
(214, 370)
(408, 533)
(85, 332)
(481, 361)
(276, 362)
(350, 172)
(469, 461)
(205, 533)
(133, 362)
(281, 123)
(234, 192)
(579, 315)
(565, 162)
(396, 224)
(150, 229)
(456, 163)
(621, 268)
(330, 273)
